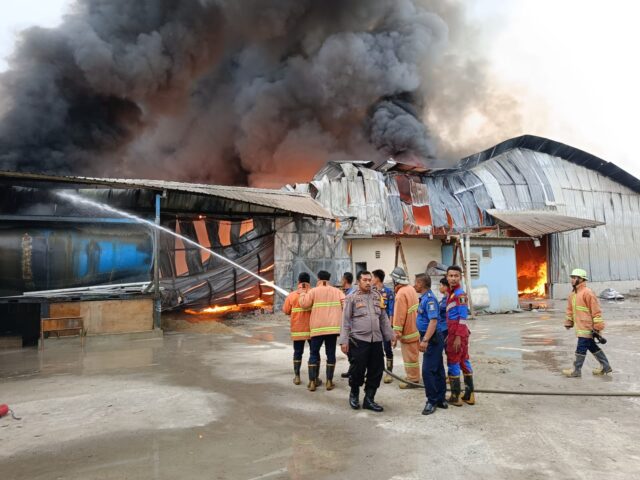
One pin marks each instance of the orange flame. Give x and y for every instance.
(536, 281)
(220, 309)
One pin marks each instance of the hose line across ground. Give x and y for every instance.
(528, 392)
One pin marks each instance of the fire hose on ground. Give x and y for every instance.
(528, 392)
(4, 410)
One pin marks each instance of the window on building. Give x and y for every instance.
(486, 252)
(474, 266)
(377, 253)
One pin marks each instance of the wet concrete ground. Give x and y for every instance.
(221, 405)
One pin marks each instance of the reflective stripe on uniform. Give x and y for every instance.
(413, 308)
(410, 336)
(326, 330)
(397, 328)
(583, 332)
(598, 320)
(582, 309)
(326, 304)
(300, 309)
(411, 365)
(300, 334)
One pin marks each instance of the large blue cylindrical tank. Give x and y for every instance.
(66, 256)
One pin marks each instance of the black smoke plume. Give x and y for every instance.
(229, 91)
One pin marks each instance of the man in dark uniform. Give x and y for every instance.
(365, 326)
(432, 345)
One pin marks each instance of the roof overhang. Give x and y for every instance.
(537, 223)
(266, 200)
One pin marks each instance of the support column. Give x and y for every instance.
(157, 304)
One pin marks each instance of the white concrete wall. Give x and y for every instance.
(417, 251)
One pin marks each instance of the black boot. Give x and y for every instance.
(312, 378)
(368, 402)
(442, 404)
(576, 371)
(429, 408)
(318, 381)
(296, 371)
(469, 397)
(354, 398)
(345, 374)
(454, 399)
(330, 370)
(605, 367)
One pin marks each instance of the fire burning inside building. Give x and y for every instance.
(531, 267)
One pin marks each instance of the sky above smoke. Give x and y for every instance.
(264, 92)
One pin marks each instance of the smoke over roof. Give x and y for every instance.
(227, 91)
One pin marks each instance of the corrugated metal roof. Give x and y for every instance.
(282, 200)
(556, 149)
(537, 223)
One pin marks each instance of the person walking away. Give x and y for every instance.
(348, 288)
(365, 326)
(583, 313)
(405, 312)
(300, 330)
(325, 302)
(457, 346)
(443, 287)
(387, 303)
(347, 283)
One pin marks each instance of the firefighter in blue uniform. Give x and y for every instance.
(432, 345)
(388, 299)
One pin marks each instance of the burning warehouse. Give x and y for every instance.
(56, 251)
(526, 211)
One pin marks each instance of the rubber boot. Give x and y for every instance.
(576, 371)
(330, 370)
(468, 397)
(318, 381)
(312, 378)
(354, 398)
(454, 398)
(296, 371)
(604, 364)
(388, 378)
(369, 402)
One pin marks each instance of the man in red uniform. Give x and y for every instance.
(457, 346)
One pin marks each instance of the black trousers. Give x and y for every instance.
(367, 361)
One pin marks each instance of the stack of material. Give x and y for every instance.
(611, 294)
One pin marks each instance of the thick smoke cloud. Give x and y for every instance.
(257, 92)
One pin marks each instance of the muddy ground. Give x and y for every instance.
(216, 401)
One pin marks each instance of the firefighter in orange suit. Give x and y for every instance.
(326, 303)
(583, 312)
(405, 312)
(300, 330)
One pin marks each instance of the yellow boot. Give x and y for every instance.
(388, 378)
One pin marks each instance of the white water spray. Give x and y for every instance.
(76, 199)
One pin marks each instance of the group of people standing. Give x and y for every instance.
(367, 319)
